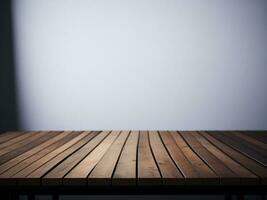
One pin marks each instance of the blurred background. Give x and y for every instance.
(133, 64)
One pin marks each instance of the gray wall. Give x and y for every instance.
(141, 64)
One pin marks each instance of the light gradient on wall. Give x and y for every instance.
(141, 64)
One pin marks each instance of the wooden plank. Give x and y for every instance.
(14, 141)
(251, 140)
(246, 177)
(78, 175)
(241, 146)
(177, 155)
(148, 173)
(60, 146)
(102, 172)
(227, 177)
(53, 136)
(258, 135)
(261, 151)
(7, 136)
(27, 164)
(250, 164)
(32, 142)
(133, 158)
(36, 175)
(23, 146)
(200, 166)
(125, 172)
(169, 172)
(189, 171)
(55, 177)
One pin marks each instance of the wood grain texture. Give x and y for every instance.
(125, 172)
(17, 164)
(191, 166)
(227, 176)
(78, 175)
(250, 164)
(8, 136)
(169, 172)
(252, 140)
(258, 135)
(41, 157)
(133, 158)
(51, 164)
(253, 151)
(148, 172)
(22, 146)
(20, 137)
(246, 177)
(55, 176)
(102, 172)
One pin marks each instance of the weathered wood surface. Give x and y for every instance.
(133, 158)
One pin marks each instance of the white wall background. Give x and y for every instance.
(141, 64)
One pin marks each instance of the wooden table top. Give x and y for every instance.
(133, 158)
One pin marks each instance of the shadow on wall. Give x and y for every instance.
(8, 101)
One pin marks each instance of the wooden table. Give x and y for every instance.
(133, 162)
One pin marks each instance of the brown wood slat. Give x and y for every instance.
(7, 136)
(78, 175)
(15, 140)
(105, 158)
(250, 164)
(227, 177)
(261, 151)
(200, 166)
(55, 176)
(193, 168)
(62, 145)
(169, 172)
(28, 164)
(148, 173)
(9, 176)
(258, 135)
(125, 172)
(251, 140)
(37, 174)
(102, 172)
(23, 146)
(27, 154)
(242, 146)
(246, 177)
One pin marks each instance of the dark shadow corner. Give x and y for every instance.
(8, 97)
